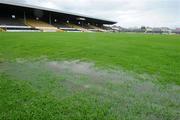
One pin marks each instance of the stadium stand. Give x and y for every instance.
(16, 16)
(43, 26)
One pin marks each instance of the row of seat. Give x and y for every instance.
(11, 22)
(41, 25)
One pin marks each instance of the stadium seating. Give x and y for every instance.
(10, 22)
(32, 25)
(86, 26)
(14, 25)
(61, 25)
(43, 26)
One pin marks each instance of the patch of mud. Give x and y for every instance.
(65, 78)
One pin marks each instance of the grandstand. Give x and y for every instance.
(23, 17)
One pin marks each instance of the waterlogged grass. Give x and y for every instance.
(153, 54)
(139, 79)
(77, 90)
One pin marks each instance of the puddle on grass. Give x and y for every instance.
(89, 70)
(66, 78)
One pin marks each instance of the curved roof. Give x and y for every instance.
(55, 10)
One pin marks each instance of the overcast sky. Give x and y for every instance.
(128, 13)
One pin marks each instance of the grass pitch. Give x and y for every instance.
(89, 76)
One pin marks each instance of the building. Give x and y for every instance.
(176, 31)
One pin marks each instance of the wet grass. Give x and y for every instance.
(153, 54)
(144, 82)
(55, 90)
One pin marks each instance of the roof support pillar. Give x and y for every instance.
(50, 21)
(82, 23)
(24, 17)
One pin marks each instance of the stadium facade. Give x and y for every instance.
(23, 17)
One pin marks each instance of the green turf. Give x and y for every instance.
(154, 54)
(29, 92)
